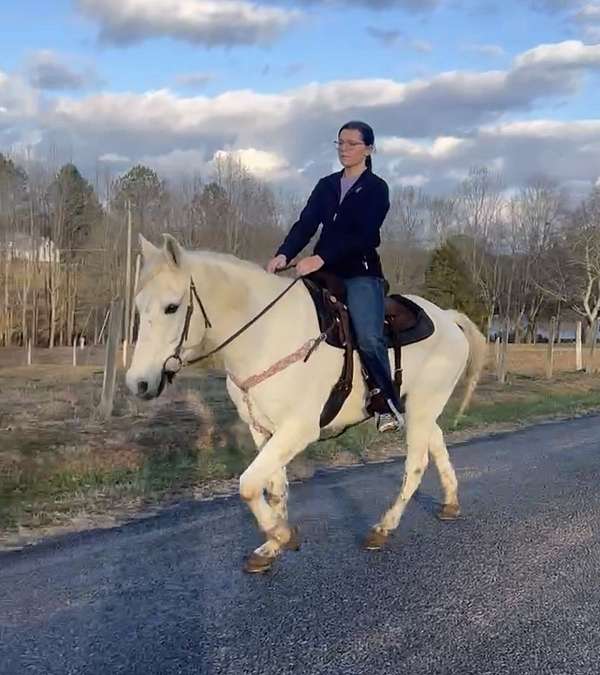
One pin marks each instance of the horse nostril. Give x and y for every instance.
(142, 387)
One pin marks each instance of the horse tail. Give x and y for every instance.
(477, 355)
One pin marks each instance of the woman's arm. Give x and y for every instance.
(304, 228)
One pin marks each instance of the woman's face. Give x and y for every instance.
(352, 150)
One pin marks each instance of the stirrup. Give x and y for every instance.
(396, 414)
(386, 422)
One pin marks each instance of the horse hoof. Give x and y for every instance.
(449, 512)
(257, 564)
(293, 543)
(375, 540)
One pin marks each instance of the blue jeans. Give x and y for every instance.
(365, 300)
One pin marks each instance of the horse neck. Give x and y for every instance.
(233, 293)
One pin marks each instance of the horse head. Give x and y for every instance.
(165, 305)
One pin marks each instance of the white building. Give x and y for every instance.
(24, 247)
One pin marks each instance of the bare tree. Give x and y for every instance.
(572, 266)
(534, 216)
(479, 208)
(402, 235)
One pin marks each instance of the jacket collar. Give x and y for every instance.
(333, 180)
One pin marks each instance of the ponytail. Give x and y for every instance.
(369, 163)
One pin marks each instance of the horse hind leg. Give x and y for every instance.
(417, 437)
(450, 509)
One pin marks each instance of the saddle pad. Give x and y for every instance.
(409, 324)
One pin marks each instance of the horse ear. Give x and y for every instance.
(172, 250)
(148, 249)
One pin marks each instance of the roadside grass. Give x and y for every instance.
(60, 465)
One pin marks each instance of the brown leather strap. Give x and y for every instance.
(398, 368)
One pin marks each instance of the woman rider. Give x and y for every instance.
(351, 205)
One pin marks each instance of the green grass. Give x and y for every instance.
(532, 408)
(38, 492)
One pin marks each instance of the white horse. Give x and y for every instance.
(278, 394)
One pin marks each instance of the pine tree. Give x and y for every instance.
(143, 188)
(448, 284)
(13, 192)
(74, 210)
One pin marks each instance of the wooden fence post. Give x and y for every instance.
(106, 317)
(589, 367)
(503, 362)
(578, 354)
(550, 348)
(110, 365)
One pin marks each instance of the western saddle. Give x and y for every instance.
(405, 323)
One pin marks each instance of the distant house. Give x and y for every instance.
(24, 247)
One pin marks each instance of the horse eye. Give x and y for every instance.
(171, 309)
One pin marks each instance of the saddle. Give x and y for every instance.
(405, 323)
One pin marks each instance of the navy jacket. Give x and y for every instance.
(350, 234)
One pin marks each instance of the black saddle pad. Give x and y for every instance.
(411, 325)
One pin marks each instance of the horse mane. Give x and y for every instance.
(223, 260)
(227, 258)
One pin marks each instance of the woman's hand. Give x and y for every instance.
(276, 263)
(309, 265)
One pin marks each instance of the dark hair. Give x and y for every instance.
(367, 133)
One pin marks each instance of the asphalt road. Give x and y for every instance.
(513, 587)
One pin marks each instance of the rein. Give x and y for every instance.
(170, 373)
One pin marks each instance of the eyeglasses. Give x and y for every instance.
(350, 144)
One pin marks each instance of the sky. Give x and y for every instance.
(446, 84)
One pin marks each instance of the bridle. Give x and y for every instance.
(169, 373)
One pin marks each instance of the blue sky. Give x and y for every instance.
(170, 83)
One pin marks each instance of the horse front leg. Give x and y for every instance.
(267, 471)
(277, 491)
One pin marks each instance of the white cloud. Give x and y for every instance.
(434, 128)
(206, 22)
(416, 6)
(566, 151)
(589, 12)
(17, 100)
(178, 163)
(570, 54)
(114, 158)
(264, 164)
(47, 70)
(417, 180)
(588, 19)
